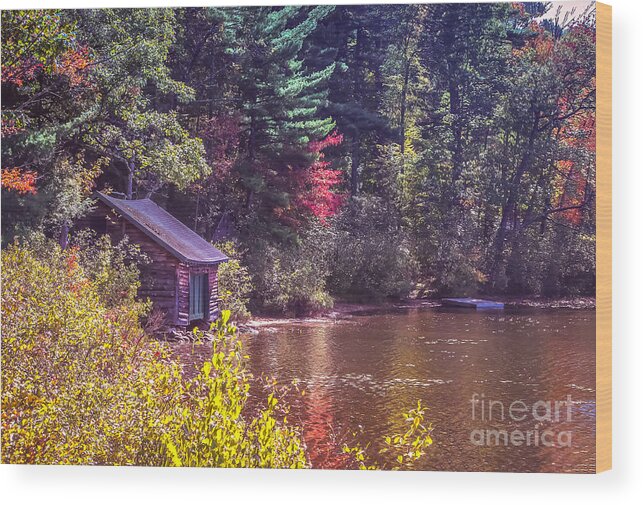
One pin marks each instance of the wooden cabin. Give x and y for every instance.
(181, 277)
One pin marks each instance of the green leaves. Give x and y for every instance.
(235, 283)
(133, 46)
(405, 449)
(82, 384)
(216, 430)
(33, 37)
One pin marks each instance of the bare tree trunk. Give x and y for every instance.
(63, 239)
(355, 159)
(130, 178)
(510, 204)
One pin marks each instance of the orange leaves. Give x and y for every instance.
(10, 127)
(570, 185)
(73, 64)
(543, 44)
(519, 7)
(21, 73)
(72, 260)
(41, 43)
(77, 282)
(540, 47)
(579, 130)
(21, 181)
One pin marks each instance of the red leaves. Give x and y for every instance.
(320, 199)
(319, 181)
(73, 64)
(21, 73)
(316, 146)
(579, 130)
(570, 184)
(21, 181)
(569, 60)
(9, 127)
(540, 47)
(77, 282)
(221, 138)
(72, 260)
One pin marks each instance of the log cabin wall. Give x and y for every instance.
(159, 276)
(182, 294)
(165, 280)
(96, 220)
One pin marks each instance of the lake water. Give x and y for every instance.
(361, 372)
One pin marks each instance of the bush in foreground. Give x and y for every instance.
(82, 384)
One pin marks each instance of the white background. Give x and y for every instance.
(624, 484)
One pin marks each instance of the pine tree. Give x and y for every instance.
(354, 37)
(280, 102)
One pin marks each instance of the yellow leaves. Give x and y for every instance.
(81, 399)
(406, 448)
(215, 430)
(82, 385)
(176, 460)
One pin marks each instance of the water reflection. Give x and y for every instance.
(361, 373)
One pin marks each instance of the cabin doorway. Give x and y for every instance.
(199, 298)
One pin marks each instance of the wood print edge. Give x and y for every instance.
(603, 237)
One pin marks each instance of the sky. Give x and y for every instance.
(567, 6)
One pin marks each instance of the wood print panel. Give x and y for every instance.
(603, 237)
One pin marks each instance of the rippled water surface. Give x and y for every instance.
(362, 372)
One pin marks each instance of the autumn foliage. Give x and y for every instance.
(39, 42)
(451, 164)
(82, 383)
(20, 181)
(320, 182)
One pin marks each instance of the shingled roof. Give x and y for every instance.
(165, 230)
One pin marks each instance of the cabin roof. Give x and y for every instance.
(165, 230)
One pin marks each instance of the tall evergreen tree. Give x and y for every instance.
(280, 101)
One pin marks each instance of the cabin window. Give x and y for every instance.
(198, 296)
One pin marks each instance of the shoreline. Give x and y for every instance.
(344, 310)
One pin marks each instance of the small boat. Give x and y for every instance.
(472, 303)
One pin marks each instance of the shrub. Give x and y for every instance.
(215, 431)
(404, 449)
(292, 277)
(455, 273)
(71, 366)
(112, 268)
(82, 384)
(235, 283)
(371, 257)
